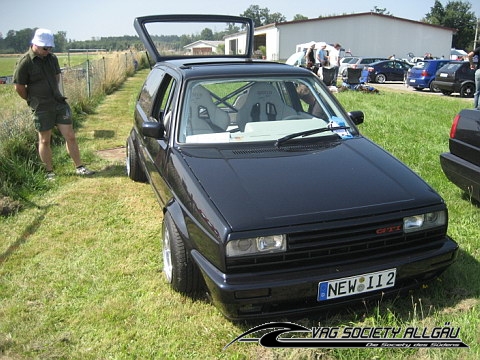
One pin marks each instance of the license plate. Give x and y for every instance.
(412, 81)
(353, 285)
(443, 75)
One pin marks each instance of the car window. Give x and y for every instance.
(167, 102)
(450, 67)
(421, 65)
(368, 60)
(163, 101)
(149, 91)
(440, 64)
(252, 110)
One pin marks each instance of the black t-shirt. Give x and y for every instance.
(477, 52)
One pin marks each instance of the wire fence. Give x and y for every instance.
(99, 76)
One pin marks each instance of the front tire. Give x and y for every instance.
(180, 270)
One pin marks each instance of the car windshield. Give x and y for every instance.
(252, 109)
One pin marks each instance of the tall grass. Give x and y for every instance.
(19, 166)
(21, 172)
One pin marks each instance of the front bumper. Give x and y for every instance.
(462, 173)
(254, 295)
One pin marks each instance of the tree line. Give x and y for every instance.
(455, 14)
(19, 41)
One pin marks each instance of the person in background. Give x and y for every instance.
(36, 79)
(334, 58)
(322, 55)
(310, 56)
(470, 56)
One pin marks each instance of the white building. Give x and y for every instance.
(364, 34)
(203, 47)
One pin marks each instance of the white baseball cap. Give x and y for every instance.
(43, 37)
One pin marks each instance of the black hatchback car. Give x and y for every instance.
(461, 164)
(456, 77)
(273, 201)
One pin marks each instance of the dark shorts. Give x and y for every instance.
(48, 119)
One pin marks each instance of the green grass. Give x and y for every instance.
(80, 268)
(7, 62)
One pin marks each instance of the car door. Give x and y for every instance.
(159, 149)
(397, 71)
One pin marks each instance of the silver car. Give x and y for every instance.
(357, 62)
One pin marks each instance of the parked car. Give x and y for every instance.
(462, 164)
(456, 77)
(389, 70)
(344, 62)
(421, 75)
(358, 62)
(297, 59)
(273, 201)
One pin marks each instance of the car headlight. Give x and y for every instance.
(424, 221)
(257, 245)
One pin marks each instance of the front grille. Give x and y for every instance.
(338, 246)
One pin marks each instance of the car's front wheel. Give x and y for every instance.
(178, 267)
(467, 90)
(380, 78)
(134, 168)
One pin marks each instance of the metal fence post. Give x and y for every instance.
(88, 78)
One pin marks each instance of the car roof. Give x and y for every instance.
(425, 63)
(145, 27)
(453, 66)
(389, 60)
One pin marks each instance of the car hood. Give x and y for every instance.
(283, 187)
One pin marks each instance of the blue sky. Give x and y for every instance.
(84, 19)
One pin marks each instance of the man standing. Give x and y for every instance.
(334, 58)
(322, 55)
(477, 75)
(36, 79)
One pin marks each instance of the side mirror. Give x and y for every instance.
(153, 129)
(357, 117)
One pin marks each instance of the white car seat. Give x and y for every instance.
(205, 117)
(263, 103)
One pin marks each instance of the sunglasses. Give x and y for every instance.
(47, 48)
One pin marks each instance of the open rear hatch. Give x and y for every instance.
(232, 36)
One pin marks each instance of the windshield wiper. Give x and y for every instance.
(310, 132)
